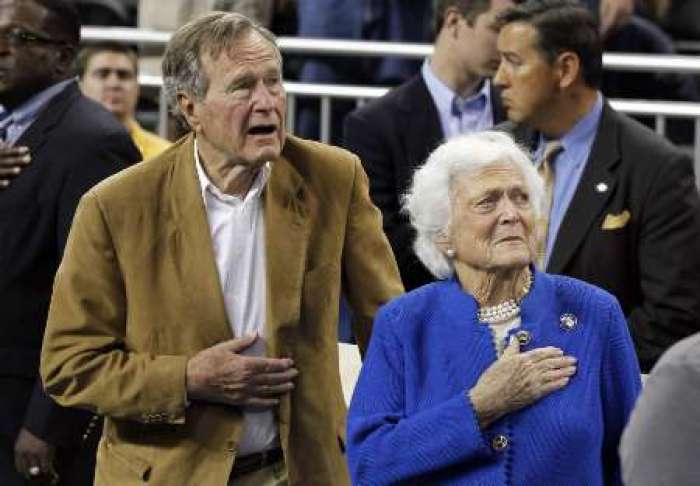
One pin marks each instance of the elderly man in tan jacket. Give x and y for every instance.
(197, 301)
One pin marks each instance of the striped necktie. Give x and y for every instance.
(546, 170)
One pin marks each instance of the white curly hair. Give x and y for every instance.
(428, 202)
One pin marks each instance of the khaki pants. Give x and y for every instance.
(272, 475)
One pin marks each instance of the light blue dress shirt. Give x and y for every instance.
(459, 115)
(568, 168)
(18, 120)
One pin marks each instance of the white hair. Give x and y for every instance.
(428, 202)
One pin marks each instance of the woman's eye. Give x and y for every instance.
(521, 197)
(486, 203)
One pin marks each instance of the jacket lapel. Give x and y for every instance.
(588, 201)
(35, 136)
(287, 216)
(193, 251)
(287, 227)
(423, 131)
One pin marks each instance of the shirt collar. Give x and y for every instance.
(580, 136)
(205, 183)
(30, 109)
(447, 100)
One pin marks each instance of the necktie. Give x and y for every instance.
(546, 170)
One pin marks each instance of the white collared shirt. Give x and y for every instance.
(237, 231)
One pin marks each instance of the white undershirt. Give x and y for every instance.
(237, 231)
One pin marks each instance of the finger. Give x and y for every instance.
(558, 374)
(18, 151)
(10, 171)
(240, 344)
(553, 386)
(513, 347)
(274, 378)
(20, 155)
(265, 391)
(15, 161)
(559, 362)
(4, 183)
(259, 365)
(538, 354)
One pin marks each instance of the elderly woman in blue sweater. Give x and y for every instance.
(498, 374)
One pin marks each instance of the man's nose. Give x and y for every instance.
(499, 77)
(262, 98)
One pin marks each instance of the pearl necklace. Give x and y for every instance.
(505, 311)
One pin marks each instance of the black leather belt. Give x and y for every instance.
(255, 462)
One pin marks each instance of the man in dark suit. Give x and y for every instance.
(56, 144)
(451, 95)
(625, 212)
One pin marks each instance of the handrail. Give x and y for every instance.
(678, 109)
(337, 47)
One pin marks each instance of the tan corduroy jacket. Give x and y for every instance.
(138, 293)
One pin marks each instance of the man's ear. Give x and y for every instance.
(451, 21)
(64, 61)
(186, 104)
(568, 66)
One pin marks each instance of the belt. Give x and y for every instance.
(255, 462)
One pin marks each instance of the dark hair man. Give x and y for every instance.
(451, 95)
(624, 206)
(108, 73)
(197, 303)
(55, 145)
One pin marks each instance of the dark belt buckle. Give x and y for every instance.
(255, 462)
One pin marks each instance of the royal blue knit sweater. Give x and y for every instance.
(411, 422)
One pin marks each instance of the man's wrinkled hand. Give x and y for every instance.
(34, 458)
(221, 374)
(13, 160)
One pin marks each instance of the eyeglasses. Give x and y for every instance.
(18, 37)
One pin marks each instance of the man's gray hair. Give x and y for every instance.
(207, 35)
(428, 202)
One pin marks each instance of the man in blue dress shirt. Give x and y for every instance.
(625, 212)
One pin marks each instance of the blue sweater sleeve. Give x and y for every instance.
(621, 385)
(385, 445)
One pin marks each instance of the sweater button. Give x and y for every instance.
(500, 443)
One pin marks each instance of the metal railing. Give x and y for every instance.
(659, 110)
(338, 47)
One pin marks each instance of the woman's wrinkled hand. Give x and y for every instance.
(518, 379)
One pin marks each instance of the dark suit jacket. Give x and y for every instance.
(651, 262)
(393, 135)
(74, 143)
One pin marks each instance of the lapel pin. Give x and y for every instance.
(601, 187)
(568, 322)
